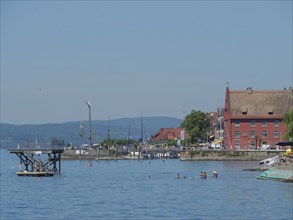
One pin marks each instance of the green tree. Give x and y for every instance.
(288, 119)
(172, 143)
(197, 124)
(117, 142)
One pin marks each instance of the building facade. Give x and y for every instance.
(253, 119)
(217, 128)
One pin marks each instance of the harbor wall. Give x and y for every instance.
(89, 154)
(229, 155)
(185, 155)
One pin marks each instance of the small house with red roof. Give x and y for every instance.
(166, 134)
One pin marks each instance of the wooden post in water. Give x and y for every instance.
(59, 162)
(98, 152)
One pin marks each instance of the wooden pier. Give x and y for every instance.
(38, 162)
(35, 173)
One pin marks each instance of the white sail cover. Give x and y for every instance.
(269, 161)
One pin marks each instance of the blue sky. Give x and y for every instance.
(160, 58)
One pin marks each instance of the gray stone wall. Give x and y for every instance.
(242, 155)
(88, 154)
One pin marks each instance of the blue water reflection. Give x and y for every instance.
(122, 190)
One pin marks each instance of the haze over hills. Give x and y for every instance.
(12, 135)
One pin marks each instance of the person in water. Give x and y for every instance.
(178, 176)
(215, 174)
(203, 175)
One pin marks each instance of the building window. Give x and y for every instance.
(252, 144)
(276, 134)
(237, 134)
(252, 123)
(264, 124)
(264, 134)
(237, 145)
(252, 134)
(276, 123)
(237, 124)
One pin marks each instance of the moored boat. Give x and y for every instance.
(281, 168)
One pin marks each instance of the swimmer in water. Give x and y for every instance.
(215, 174)
(203, 175)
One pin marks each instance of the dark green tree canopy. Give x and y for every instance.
(288, 119)
(197, 124)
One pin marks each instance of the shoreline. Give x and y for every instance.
(228, 155)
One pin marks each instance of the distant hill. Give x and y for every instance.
(11, 135)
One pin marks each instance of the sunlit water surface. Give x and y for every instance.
(121, 190)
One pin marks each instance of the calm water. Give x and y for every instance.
(121, 190)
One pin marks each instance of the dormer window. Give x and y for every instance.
(244, 110)
(270, 110)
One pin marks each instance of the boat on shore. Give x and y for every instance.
(269, 161)
(280, 168)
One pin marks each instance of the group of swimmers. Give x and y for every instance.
(203, 175)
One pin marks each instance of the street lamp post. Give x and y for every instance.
(90, 122)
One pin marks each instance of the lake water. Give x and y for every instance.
(121, 190)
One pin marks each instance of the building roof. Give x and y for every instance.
(260, 102)
(170, 134)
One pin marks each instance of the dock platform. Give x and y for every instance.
(38, 162)
(36, 174)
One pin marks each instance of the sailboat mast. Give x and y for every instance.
(109, 136)
(89, 105)
(129, 134)
(141, 129)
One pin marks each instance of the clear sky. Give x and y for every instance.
(160, 58)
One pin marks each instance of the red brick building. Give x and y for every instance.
(253, 118)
